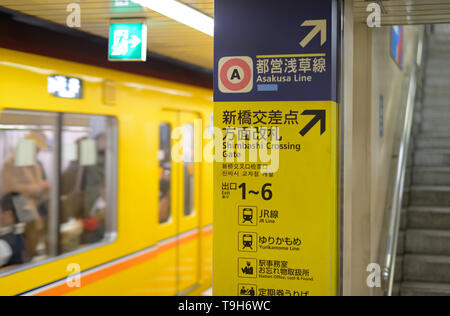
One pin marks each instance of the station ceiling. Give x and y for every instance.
(396, 12)
(166, 36)
(175, 40)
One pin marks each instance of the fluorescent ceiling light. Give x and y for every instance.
(181, 13)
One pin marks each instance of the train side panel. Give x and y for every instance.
(144, 257)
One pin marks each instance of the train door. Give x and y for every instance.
(189, 215)
(179, 213)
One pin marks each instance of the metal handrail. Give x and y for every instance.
(394, 225)
(396, 209)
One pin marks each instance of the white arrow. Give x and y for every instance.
(320, 26)
(134, 41)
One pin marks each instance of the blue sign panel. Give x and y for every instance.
(287, 54)
(397, 45)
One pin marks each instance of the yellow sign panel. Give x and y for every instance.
(275, 202)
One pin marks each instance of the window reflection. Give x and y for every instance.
(83, 194)
(189, 169)
(34, 223)
(26, 159)
(165, 173)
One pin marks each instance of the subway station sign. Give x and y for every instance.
(127, 41)
(276, 184)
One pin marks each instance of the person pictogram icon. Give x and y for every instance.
(247, 291)
(248, 269)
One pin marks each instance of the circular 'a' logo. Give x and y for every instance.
(235, 74)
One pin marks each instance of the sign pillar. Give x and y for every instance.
(276, 214)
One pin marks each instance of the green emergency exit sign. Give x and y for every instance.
(127, 42)
(125, 6)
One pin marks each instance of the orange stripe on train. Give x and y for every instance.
(106, 272)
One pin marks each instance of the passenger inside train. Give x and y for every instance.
(28, 178)
(27, 155)
(12, 243)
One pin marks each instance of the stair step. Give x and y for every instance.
(432, 71)
(438, 40)
(435, 100)
(433, 64)
(409, 176)
(428, 218)
(427, 142)
(434, 61)
(421, 268)
(398, 269)
(432, 157)
(439, 44)
(438, 51)
(436, 77)
(437, 55)
(432, 133)
(432, 115)
(428, 242)
(436, 69)
(406, 197)
(396, 289)
(404, 219)
(441, 31)
(436, 125)
(431, 176)
(436, 112)
(430, 196)
(401, 245)
(437, 90)
(424, 289)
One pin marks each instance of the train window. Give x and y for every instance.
(165, 173)
(87, 147)
(27, 155)
(57, 185)
(189, 169)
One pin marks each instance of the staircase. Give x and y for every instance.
(424, 268)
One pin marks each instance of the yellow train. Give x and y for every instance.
(94, 200)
